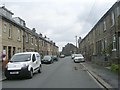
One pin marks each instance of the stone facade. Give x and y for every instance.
(69, 49)
(16, 37)
(0, 36)
(103, 41)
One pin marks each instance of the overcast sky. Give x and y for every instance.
(60, 20)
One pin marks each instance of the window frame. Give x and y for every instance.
(5, 27)
(10, 31)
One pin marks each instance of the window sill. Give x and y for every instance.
(114, 50)
(19, 40)
(9, 38)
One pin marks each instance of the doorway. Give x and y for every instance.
(9, 52)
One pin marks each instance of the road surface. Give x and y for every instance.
(61, 74)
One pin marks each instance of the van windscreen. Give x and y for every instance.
(21, 58)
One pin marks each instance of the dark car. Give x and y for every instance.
(47, 59)
(55, 58)
(62, 56)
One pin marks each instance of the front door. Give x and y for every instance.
(9, 52)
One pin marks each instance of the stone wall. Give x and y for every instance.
(0, 38)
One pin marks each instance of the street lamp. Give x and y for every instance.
(76, 43)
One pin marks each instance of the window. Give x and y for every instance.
(10, 31)
(114, 43)
(19, 50)
(5, 27)
(104, 25)
(32, 40)
(118, 11)
(36, 41)
(27, 37)
(113, 19)
(105, 43)
(42, 43)
(18, 35)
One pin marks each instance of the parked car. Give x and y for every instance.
(79, 58)
(55, 58)
(23, 65)
(47, 59)
(62, 56)
(72, 56)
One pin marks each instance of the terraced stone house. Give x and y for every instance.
(102, 43)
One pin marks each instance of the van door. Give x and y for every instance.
(38, 60)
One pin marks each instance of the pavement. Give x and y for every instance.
(2, 77)
(104, 73)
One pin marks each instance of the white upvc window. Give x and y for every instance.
(19, 35)
(32, 40)
(105, 41)
(5, 27)
(118, 11)
(103, 44)
(104, 25)
(114, 43)
(10, 31)
(36, 41)
(27, 37)
(113, 18)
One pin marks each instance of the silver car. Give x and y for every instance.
(79, 58)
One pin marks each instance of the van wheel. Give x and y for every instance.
(39, 71)
(30, 74)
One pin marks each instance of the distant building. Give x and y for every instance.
(69, 49)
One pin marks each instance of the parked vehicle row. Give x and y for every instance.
(26, 64)
(78, 58)
(49, 59)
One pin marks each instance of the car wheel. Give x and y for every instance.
(39, 71)
(50, 62)
(8, 78)
(30, 74)
(74, 61)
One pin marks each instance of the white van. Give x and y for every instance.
(23, 64)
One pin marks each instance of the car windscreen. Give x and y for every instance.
(21, 58)
(78, 55)
(47, 57)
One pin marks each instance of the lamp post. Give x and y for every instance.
(76, 43)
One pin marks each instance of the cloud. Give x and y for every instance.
(60, 20)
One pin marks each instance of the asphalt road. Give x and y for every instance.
(61, 74)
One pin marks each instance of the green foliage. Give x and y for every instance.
(108, 50)
(115, 67)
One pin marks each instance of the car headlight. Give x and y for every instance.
(24, 66)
